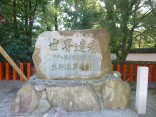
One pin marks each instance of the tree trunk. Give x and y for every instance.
(56, 15)
(15, 19)
(30, 25)
(26, 17)
(31, 15)
(56, 24)
(84, 25)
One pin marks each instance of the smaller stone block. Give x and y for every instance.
(25, 101)
(42, 94)
(73, 97)
(113, 74)
(116, 94)
(56, 112)
(43, 106)
(39, 87)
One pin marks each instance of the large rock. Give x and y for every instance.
(73, 97)
(78, 54)
(43, 106)
(25, 101)
(56, 112)
(116, 93)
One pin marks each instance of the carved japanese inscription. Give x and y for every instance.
(72, 57)
(69, 55)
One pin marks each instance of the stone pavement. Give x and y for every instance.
(8, 90)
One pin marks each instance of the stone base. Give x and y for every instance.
(40, 96)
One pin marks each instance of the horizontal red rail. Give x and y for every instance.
(128, 71)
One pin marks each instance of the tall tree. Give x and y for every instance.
(50, 15)
(15, 19)
(56, 3)
(30, 9)
(83, 14)
(145, 37)
(16, 35)
(123, 18)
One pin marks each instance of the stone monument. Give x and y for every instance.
(74, 72)
(71, 55)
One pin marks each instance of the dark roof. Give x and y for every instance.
(143, 50)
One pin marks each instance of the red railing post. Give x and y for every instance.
(7, 71)
(131, 73)
(14, 74)
(118, 67)
(28, 70)
(22, 69)
(124, 72)
(150, 73)
(1, 71)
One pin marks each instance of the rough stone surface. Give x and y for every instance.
(116, 94)
(39, 87)
(113, 74)
(74, 97)
(80, 95)
(56, 112)
(43, 94)
(25, 101)
(43, 106)
(8, 90)
(78, 54)
(34, 77)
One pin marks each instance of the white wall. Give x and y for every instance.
(138, 57)
(141, 57)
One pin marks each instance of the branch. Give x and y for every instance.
(146, 26)
(34, 10)
(142, 33)
(151, 4)
(137, 9)
(145, 15)
(134, 2)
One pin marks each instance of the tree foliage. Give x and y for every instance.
(83, 14)
(124, 18)
(16, 36)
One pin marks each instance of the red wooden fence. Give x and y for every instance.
(128, 71)
(8, 73)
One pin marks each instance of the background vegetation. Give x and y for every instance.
(131, 23)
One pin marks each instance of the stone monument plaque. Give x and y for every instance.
(72, 54)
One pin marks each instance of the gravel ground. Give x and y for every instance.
(8, 90)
